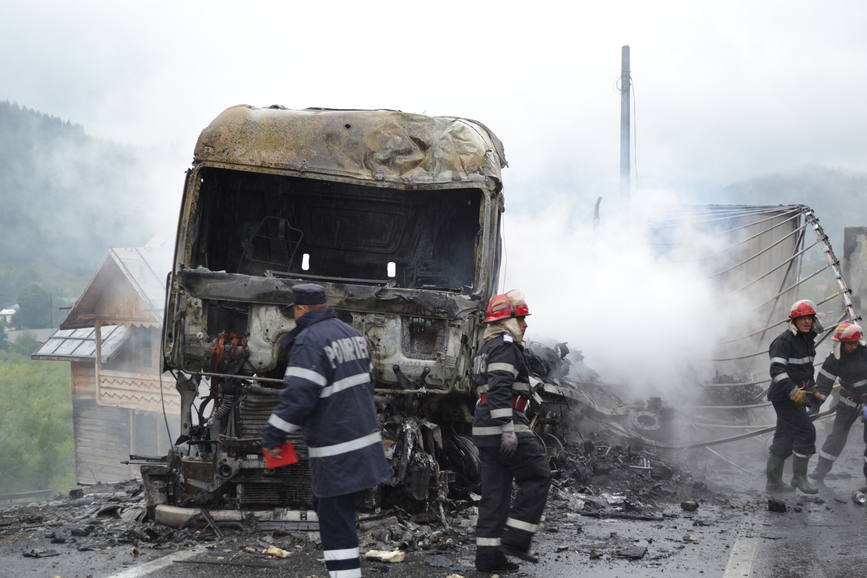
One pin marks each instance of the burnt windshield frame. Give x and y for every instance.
(252, 222)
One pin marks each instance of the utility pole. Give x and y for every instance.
(625, 124)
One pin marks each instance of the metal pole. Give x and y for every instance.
(834, 263)
(625, 124)
(596, 214)
(97, 367)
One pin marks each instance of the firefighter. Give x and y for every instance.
(848, 363)
(328, 393)
(792, 354)
(508, 449)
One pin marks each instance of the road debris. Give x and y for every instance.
(775, 505)
(276, 552)
(40, 553)
(689, 505)
(393, 557)
(632, 552)
(213, 524)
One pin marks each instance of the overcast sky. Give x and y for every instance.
(724, 90)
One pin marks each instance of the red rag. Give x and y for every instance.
(288, 456)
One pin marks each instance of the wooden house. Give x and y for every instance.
(112, 339)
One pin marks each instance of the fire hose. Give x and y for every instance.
(743, 436)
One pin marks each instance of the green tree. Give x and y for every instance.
(35, 308)
(64, 286)
(37, 448)
(4, 344)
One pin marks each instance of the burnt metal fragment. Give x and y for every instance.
(632, 552)
(775, 505)
(40, 553)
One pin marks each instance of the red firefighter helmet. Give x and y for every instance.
(848, 332)
(802, 308)
(506, 305)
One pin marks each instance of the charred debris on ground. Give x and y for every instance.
(592, 479)
(596, 481)
(604, 470)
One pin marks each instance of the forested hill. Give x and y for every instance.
(838, 196)
(65, 197)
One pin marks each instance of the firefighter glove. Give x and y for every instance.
(799, 396)
(508, 440)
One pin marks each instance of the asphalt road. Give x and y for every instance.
(826, 539)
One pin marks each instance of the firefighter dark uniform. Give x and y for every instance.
(791, 367)
(500, 373)
(851, 370)
(329, 393)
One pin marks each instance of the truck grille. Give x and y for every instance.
(292, 490)
(287, 486)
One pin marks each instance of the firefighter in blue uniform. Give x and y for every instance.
(848, 363)
(792, 354)
(508, 449)
(328, 392)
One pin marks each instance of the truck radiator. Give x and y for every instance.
(287, 486)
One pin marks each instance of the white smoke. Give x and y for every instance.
(642, 309)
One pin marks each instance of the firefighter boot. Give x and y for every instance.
(523, 554)
(799, 475)
(822, 469)
(490, 559)
(775, 483)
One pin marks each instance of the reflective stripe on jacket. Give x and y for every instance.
(851, 369)
(329, 393)
(499, 371)
(791, 366)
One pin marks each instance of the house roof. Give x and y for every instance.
(141, 267)
(128, 288)
(80, 344)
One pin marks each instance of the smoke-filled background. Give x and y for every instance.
(739, 102)
(643, 310)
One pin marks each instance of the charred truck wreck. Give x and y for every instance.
(398, 216)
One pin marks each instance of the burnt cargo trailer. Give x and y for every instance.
(398, 216)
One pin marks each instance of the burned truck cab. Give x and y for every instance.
(397, 215)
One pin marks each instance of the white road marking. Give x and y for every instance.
(741, 559)
(154, 565)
